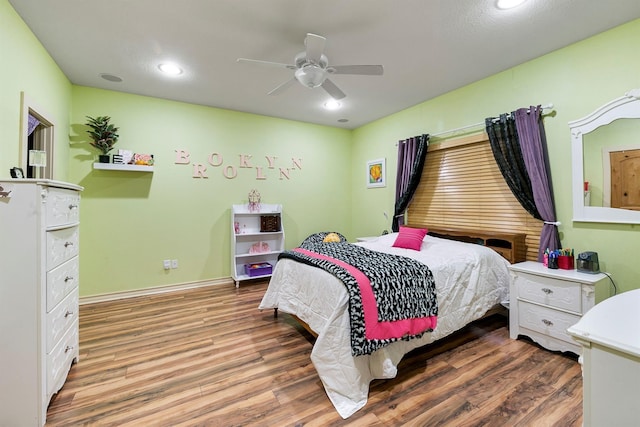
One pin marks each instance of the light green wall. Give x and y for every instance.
(132, 221)
(577, 80)
(27, 67)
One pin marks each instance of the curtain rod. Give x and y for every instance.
(544, 107)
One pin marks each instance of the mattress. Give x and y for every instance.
(470, 279)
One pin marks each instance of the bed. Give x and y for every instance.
(470, 279)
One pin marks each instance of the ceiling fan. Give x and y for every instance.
(312, 68)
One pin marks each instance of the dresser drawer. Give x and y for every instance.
(62, 245)
(61, 281)
(549, 291)
(62, 206)
(546, 320)
(59, 360)
(61, 319)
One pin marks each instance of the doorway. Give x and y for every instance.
(36, 140)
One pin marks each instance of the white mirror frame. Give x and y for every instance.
(625, 107)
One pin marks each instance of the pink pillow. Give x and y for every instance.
(410, 238)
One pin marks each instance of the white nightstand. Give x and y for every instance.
(545, 302)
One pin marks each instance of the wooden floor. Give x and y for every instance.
(209, 357)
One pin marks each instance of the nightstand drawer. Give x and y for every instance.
(549, 291)
(545, 320)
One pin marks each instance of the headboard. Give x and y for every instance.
(510, 245)
(461, 188)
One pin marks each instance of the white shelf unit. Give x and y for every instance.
(248, 235)
(122, 167)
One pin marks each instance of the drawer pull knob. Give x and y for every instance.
(547, 322)
(68, 348)
(68, 313)
(68, 278)
(547, 291)
(73, 206)
(66, 244)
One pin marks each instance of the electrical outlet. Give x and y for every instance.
(166, 264)
(174, 263)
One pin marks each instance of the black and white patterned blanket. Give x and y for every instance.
(403, 287)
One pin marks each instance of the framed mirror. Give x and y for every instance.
(605, 149)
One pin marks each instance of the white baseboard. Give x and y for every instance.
(153, 290)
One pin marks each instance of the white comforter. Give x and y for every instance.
(470, 279)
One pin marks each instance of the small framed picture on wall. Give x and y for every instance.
(376, 173)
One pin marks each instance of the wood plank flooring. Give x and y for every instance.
(209, 357)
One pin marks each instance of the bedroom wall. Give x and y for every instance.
(27, 67)
(577, 80)
(132, 221)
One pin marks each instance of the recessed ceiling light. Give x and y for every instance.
(169, 68)
(332, 104)
(508, 4)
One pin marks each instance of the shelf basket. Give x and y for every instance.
(269, 223)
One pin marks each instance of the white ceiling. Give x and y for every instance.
(427, 47)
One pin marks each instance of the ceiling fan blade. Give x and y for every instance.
(366, 70)
(332, 89)
(314, 46)
(281, 88)
(269, 63)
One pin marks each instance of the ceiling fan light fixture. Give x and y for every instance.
(311, 75)
(332, 104)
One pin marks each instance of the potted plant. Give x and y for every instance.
(103, 135)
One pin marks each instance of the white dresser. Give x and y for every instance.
(545, 302)
(39, 277)
(611, 361)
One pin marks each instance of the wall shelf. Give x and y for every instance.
(118, 167)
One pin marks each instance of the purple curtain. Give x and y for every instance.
(505, 146)
(412, 154)
(533, 143)
(33, 124)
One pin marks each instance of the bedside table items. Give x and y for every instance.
(588, 262)
(560, 258)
